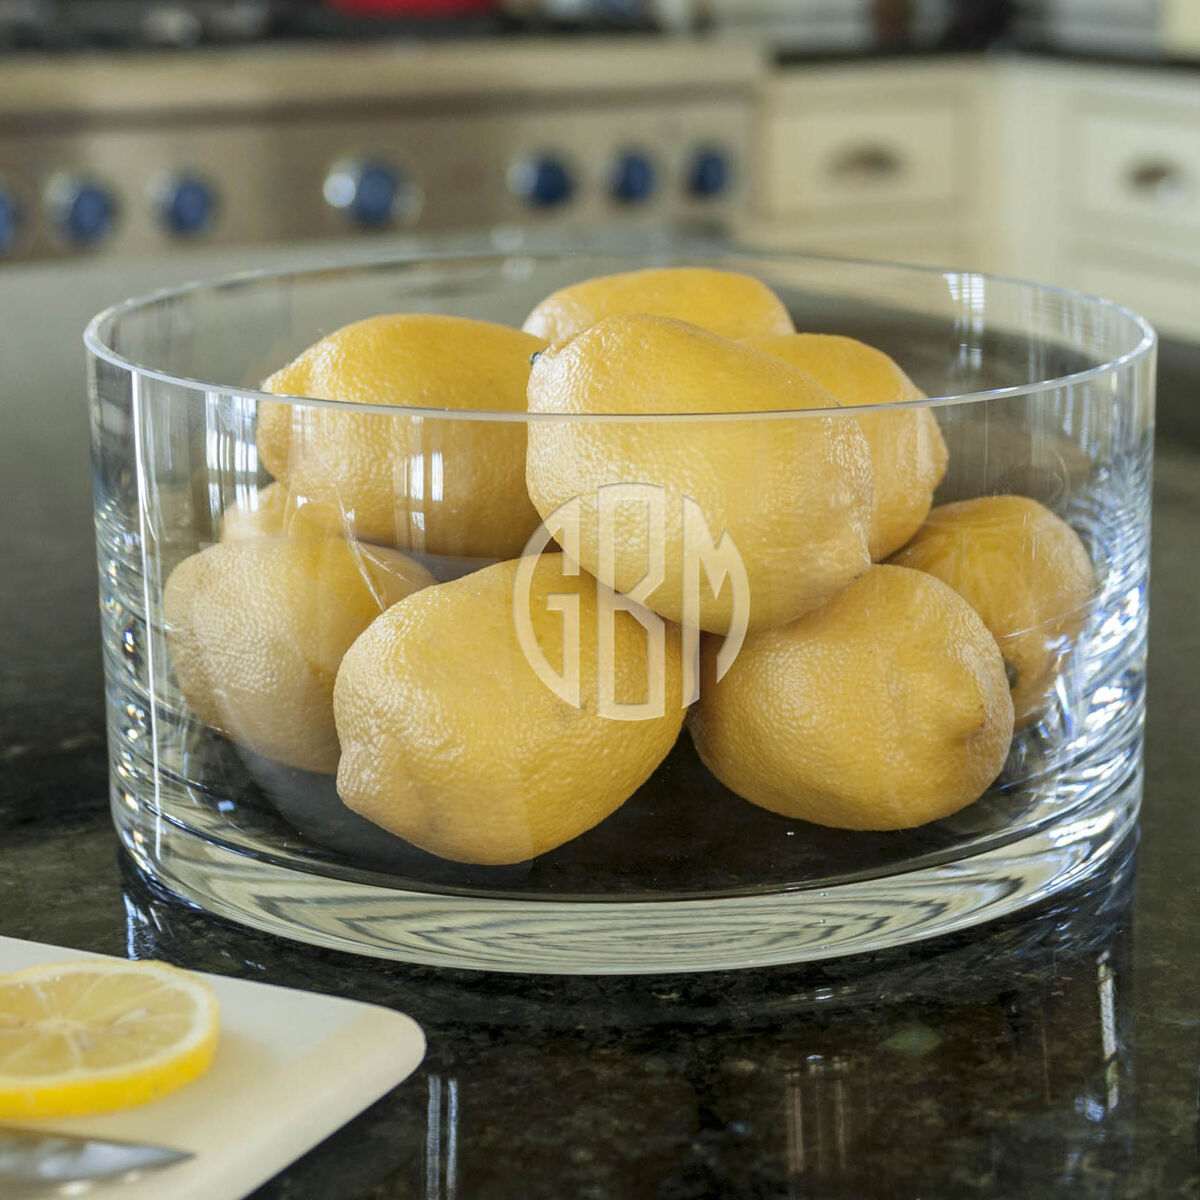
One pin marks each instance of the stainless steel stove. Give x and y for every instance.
(105, 154)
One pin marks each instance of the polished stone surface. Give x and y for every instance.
(1052, 1055)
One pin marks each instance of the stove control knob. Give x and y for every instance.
(187, 205)
(371, 193)
(632, 178)
(710, 173)
(542, 181)
(10, 221)
(83, 210)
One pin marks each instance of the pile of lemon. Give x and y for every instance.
(890, 647)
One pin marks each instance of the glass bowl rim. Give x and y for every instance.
(105, 321)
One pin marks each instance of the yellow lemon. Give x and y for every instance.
(885, 709)
(908, 453)
(1024, 571)
(725, 302)
(276, 509)
(455, 737)
(792, 494)
(431, 484)
(257, 628)
(93, 1035)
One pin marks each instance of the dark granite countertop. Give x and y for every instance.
(1144, 59)
(1056, 1054)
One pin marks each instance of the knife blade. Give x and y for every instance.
(30, 1158)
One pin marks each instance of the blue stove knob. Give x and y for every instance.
(710, 173)
(84, 210)
(375, 195)
(543, 181)
(632, 179)
(10, 221)
(370, 192)
(187, 205)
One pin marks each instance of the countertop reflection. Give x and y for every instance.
(1000, 1065)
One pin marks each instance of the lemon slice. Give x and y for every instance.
(100, 1034)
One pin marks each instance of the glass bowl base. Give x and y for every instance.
(636, 937)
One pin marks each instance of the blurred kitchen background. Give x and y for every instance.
(145, 142)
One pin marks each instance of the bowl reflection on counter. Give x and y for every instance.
(1001, 1057)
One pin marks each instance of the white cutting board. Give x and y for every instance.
(291, 1067)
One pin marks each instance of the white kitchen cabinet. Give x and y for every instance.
(864, 159)
(1082, 175)
(1121, 215)
(928, 243)
(1140, 169)
(1165, 292)
(877, 160)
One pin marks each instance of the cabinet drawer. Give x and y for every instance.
(1141, 169)
(822, 160)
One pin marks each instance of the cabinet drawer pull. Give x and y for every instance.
(1159, 180)
(867, 163)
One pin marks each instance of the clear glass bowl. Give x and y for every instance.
(1037, 392)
